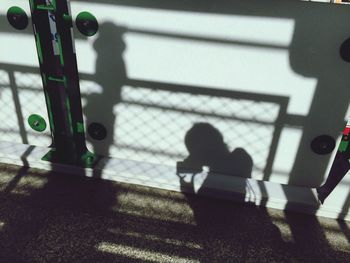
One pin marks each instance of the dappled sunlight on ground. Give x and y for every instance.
(74, 219)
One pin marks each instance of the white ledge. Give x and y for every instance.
(269, 194)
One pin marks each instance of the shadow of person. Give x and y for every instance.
(206, 147)
(208, 157)
(111, 75)
(227, 230)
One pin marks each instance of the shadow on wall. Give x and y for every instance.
(206, 147)
(209, 155)
(163, 98)
(311, 56)
(313, 52)
(111, 75)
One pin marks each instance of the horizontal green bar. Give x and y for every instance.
(63, 80)
(45, 7)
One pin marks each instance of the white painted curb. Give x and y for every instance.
(269, 194)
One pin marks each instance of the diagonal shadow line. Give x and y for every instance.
(201, 113)
(207, 39)
(18, 107)
(342, 224)
(345, 228)
(346, 206)
(21, 172)
(211, 91)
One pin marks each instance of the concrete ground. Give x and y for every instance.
(50, 217)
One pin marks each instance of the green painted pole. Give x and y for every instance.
(52, 25)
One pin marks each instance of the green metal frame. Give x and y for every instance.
(52, 25)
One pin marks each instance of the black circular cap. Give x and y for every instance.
(97, 131)
(17, 17)
(86, 24)
(345, 50)
(323, 144)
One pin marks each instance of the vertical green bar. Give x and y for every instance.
(50, 111)
(60, 49)
(31, 4)
(54, 5)
(69, 116)
(80, 127)
(38, 46)
(68, 105)
(44, 79)
(343, 146)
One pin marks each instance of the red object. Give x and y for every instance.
(346, 131)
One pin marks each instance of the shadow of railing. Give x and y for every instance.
(261, 116)
(155, 109)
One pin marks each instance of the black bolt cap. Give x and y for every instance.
(86, 24)
(97, 131)
(323, 144)
(17, 17)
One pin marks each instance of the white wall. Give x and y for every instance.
(264, 56)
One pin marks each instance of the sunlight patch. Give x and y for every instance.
(2, 224)
(170, 241)
(138, 253)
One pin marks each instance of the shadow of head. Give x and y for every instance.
(204, 143)
(110, 35)
(206, 147)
